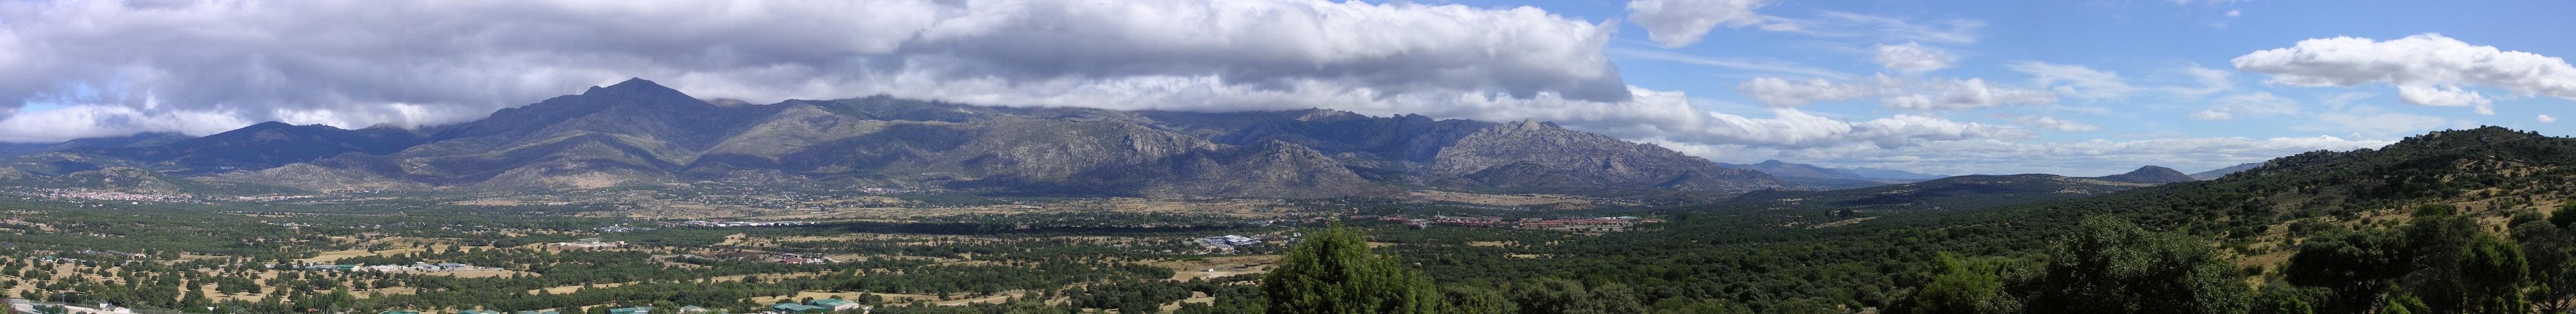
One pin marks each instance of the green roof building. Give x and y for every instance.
(836, 304)
(797, 308)
(632, 310)
(539, 312)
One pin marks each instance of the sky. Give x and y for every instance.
(1956, 87)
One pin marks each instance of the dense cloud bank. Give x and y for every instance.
(354, 63)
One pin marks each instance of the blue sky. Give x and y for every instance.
(2151, 47)
(2065, 87)
(2147, 43)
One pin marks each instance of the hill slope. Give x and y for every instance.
(2222, 172)
(2148, 175)
(640, 133)
(1952, 193)
(1831, 178)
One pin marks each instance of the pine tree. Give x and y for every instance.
(1333, 271)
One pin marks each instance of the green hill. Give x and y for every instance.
(1952, 193)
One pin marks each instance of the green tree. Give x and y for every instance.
(1694, 306)
(1333, 271)
(2356, 265)
(2491, 273)
(2287, 299)
(1462, 298)
(1964, 286)
(2438, 243)
(2565, 216)
(1548, 295)
(2111, 266)
(2404, 304)
(2549, 251)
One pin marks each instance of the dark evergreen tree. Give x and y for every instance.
(2111, 266)
(1334, 271)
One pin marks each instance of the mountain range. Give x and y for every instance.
(137, 140)
(1832, 178)
(2214, 174)
(641, 133)
(1786, 169)
(1963, 192)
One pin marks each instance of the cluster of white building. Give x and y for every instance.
(721, 223)
(415, 266)
(105, 195)
(31, 306)
(424, 266)
(1226, 243)
(590, 243)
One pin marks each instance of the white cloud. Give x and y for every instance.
(2427, 69)
(2235, 13)
(2206, 2)
(2257, 104)
(2052, 123)
(98, 121)
(1670, 116)
(2075, 80)
(2210, 114)
(2548, 119)
(1784, 92)
(1913, 58)
(1679, 23)
(1879, 28)
(2212, 81)
(1791, 128)
(2371, 121)
(1747, 64)
(2077, 158)
(1966, 94)
(2339, 100)
(1649, 114)
(355, 63)
(1895, 92)
(2445, 95)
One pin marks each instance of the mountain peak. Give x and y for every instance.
(634, 85)
(2149, 174)
(1531, 124)
(635, 82)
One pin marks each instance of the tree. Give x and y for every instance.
(2565, 216)
(2356, 265)
(1460, 298)
(1963, 286)
(1333, 271)
(1554, 295)
(2491, 274)
(2438, 244)
(2550, 252)
(2111, 266)
(1689, 306)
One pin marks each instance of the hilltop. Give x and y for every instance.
(638, 133)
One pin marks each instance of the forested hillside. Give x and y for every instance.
(2448, 222)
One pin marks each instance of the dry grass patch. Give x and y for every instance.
(1218, 266)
